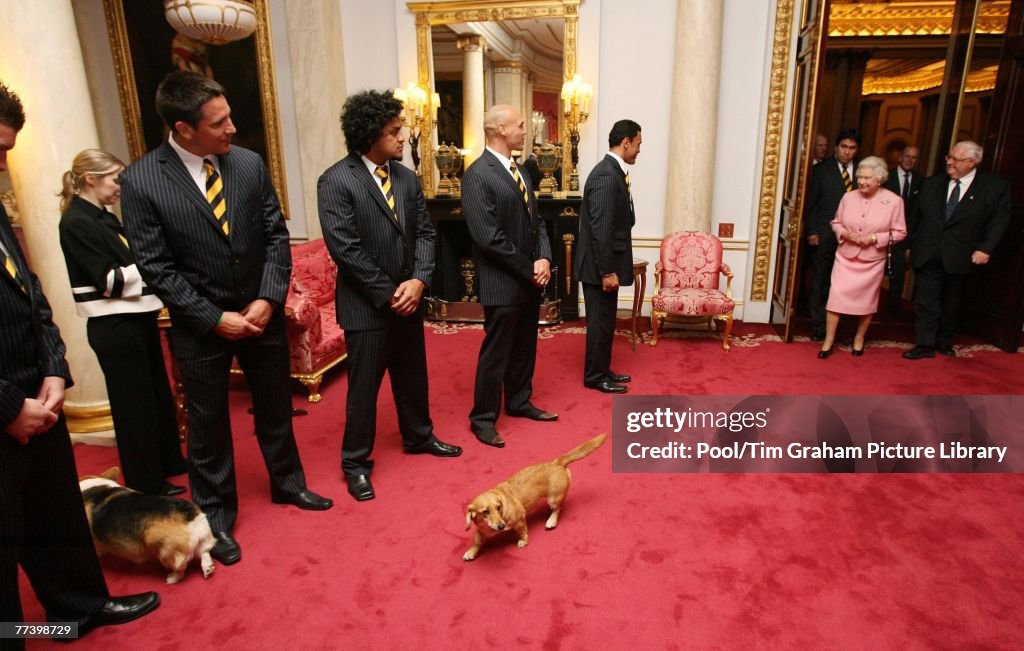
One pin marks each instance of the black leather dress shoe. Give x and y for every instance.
(621, 379)
(606, 386)
(490, 437)
(170, 490)
(919, 352)
(533, 413)
(306, 500)
(121, 610)
(436, 448)
(226, 550)
(946, 350)
(359, 487)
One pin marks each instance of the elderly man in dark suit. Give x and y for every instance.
(959, 219)
(43, 526)
(907, 183)
(605, 254)
(830, 180)
(377, 228)
(513, 260)
(210, 239)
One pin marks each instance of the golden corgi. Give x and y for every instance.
(137, 527)
(507, 505)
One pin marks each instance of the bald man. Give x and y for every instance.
(513, 261)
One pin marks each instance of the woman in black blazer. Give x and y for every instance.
(122, 327)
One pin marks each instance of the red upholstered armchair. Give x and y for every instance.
(686, 281)
(315, 340)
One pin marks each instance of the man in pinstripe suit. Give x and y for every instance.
(513, 261)
(209, 237)
(605, 258)
(376, 226)
(42, 520)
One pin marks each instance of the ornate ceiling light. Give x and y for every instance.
(211, 21)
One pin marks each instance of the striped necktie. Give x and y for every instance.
(215, 195)
(12, 270)
(385, 184)
(519, 181)
(629, 190)
(847, 183)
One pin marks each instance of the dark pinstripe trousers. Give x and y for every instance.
(264, 360)
(601, 308)
(508, 357)
(43, 527)
(401, 351)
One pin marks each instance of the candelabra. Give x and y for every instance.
(576, 96)
(419, 104)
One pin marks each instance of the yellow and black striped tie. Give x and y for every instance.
(847, 183)
(519, 182)
(13, 270)
(215, 195)
(385, 184)
(629, 191)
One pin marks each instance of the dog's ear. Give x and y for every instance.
(111, 473)
(470, 514)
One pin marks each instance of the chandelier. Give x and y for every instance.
(211, 21)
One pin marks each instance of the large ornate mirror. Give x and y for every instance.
(532, 47)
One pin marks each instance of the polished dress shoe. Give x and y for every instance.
(359, 487)
(946, 350)
(824, 354)
(121, 610)
(533, 413)
(490, 437)
(306, 500)
(919, 352)
(606, 386)
(621, 379)
(226, 550)
(435, 448)
(170, 490)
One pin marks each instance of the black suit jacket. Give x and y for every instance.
(916, 183)
(181, 250)
(508, 235)
(374, 254)
(30, 343)
(605, 244)
(977, 224)
(823, 198)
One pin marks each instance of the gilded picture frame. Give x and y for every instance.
(140, 43)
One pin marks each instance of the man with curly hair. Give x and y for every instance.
(377, 228)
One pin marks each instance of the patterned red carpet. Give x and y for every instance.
(638, 561)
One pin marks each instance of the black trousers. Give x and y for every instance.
(937, 298)
(205, 372)
(400, 350)
(44, 529)
(823, 257)
(129, 352)
(601, 310)
(508, 357)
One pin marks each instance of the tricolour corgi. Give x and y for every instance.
(138, 527)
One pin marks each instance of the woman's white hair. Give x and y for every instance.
(877, 165)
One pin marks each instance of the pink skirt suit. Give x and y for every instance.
(857, 274)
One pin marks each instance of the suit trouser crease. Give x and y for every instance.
(601, 311)
(128, 349)
(400, 351)
(507, 361)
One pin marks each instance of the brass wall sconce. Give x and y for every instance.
(420, 106)
(576, 95)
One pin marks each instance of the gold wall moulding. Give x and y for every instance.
(910, 19)
(86, 420)
(926, 78)
(429, 14)
(132, 111)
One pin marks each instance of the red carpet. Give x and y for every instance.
(639, 561)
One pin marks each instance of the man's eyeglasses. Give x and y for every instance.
(957, 160)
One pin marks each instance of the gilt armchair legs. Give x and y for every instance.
(312, 384)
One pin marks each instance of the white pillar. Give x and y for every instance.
(41, 60)
(694, 122)
(472, 47)
(510, 88)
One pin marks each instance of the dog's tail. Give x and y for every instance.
(583, 450)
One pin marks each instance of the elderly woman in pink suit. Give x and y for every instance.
(866, 222)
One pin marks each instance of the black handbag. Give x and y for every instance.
(890, 271)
